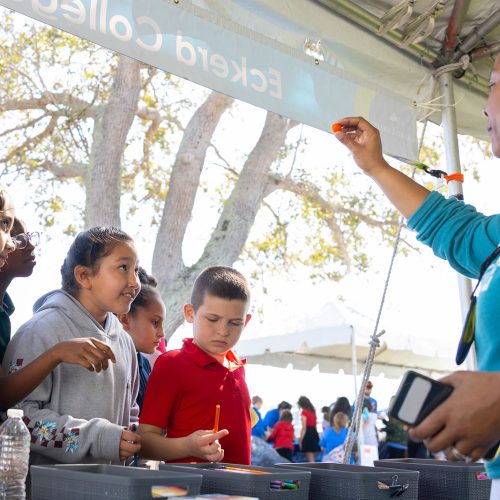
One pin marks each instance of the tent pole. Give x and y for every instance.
(449, 126)
(354, 360)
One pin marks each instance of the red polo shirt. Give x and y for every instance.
(182, 391)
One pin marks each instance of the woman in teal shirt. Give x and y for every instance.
(468, 422)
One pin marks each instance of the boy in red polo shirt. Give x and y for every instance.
(187, 384)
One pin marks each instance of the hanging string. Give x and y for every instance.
(355, 427)
(434, 104)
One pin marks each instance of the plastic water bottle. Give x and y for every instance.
(14, 456)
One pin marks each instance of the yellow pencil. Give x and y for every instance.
(216, 421)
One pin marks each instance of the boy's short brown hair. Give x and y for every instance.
(256, 399)
(222, 282)
(286, 416)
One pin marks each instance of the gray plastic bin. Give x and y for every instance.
(355, 482)
(96, 482)
(216, 479)
(444, 480)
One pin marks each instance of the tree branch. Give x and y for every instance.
(240, 209)
(151, 114)
(226, 165)
(68, 171)
(309, 190)
(24, 126)
(76, 105)
(184, 182)
(32, 141)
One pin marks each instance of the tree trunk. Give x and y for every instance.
(110, 133)
(235, 222)
(184, 182)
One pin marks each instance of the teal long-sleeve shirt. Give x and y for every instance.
(465, 237)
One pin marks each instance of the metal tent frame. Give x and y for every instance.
(451, 61)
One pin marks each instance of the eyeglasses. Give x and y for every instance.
(22, 240)
(469, 330)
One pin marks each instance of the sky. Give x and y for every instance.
(422, 300)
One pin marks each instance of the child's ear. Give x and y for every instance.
(83, 275)
(124, 320)
(247, 319)
(189, 313)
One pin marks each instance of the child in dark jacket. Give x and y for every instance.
(283, 435)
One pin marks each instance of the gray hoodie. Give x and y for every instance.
(74, 415)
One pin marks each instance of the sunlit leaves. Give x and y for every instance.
(54, 88)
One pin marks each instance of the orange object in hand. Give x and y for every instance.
(336, 127)
(216, 421)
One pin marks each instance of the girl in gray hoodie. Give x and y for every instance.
(77, 416)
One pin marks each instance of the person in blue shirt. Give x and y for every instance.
(368, 398)
(334, 436)
(468, 422)
(273, 415)
(259, 429)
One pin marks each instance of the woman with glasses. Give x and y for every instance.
(468, 422)
(17, 259)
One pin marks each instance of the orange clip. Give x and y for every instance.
(454, 177)
(336, 127)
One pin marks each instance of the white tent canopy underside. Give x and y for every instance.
(347, 29)
(327, 344)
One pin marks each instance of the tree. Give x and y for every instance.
(76, 114)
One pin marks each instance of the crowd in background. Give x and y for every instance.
(297, 434)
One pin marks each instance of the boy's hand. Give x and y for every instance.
(87, 352)
(130, 443)
(205, 445)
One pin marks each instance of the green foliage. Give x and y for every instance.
(54, 88)
(325, 230)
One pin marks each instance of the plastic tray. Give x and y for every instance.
(263, 484)
(355, 482)
(96, 482)
(443, 480)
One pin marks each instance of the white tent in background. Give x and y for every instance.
(336, 344)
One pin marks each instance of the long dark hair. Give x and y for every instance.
(87, 250)
(341, 405)
(306, 404)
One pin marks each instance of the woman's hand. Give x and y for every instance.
(468, 420)
(363, 140)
